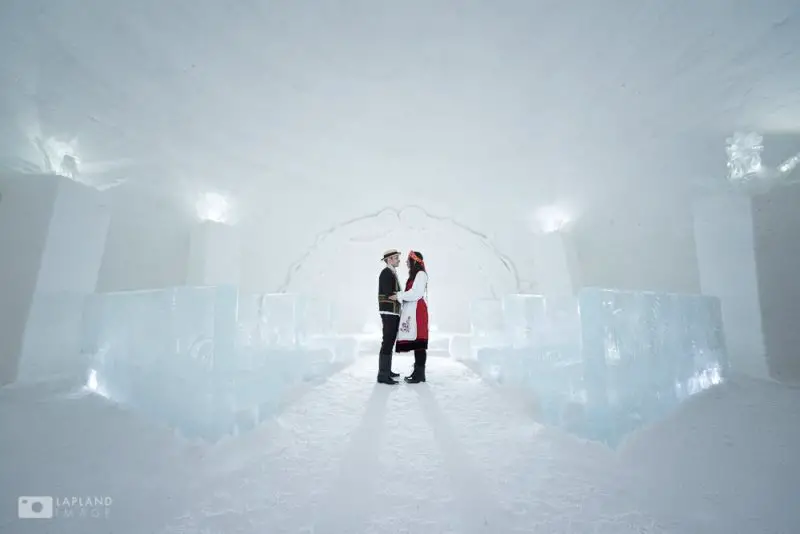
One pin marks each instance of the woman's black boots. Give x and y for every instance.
(418, 375)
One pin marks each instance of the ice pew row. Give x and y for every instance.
(604, 363)
(207, 361)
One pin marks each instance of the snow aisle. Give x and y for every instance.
(449, 456)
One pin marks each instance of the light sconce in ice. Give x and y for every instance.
(744, 155)
(60, 157)
(745, 166)
(789, 165)
(93, 385)
(550, 219)
(214, 207)
(91, 382)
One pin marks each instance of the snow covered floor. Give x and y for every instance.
(449, 456)
(728, 461)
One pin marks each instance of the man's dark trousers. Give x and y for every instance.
(391, 323)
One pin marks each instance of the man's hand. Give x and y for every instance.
(392, 297)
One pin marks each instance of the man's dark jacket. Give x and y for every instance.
(388, 285)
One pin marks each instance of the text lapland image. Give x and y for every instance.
(46, 507)
(82, 507)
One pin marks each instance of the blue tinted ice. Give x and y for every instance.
(612, 360)
(645, 352)
(523, 319)
(203, 360)
(487, 327)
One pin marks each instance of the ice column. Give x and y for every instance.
(723, 229)
(555, 265)
(214, 255)
(52, 234)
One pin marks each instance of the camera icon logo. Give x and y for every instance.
(35, 507)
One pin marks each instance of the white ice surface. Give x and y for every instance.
(449, 456)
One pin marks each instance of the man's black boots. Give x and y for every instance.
(385, 374)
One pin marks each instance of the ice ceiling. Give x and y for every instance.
(392, 103)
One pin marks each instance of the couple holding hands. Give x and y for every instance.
(404, 314)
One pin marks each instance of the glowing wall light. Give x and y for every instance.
(214, 207)
(60, 157)
(745, 167)
(551, 219)
(94, 386)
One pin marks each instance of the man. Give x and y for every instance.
(389, 308)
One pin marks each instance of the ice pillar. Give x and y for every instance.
(724, 242)
(52, 234)
(214, 255)
(555, 265)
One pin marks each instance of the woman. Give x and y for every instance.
(413, 333)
